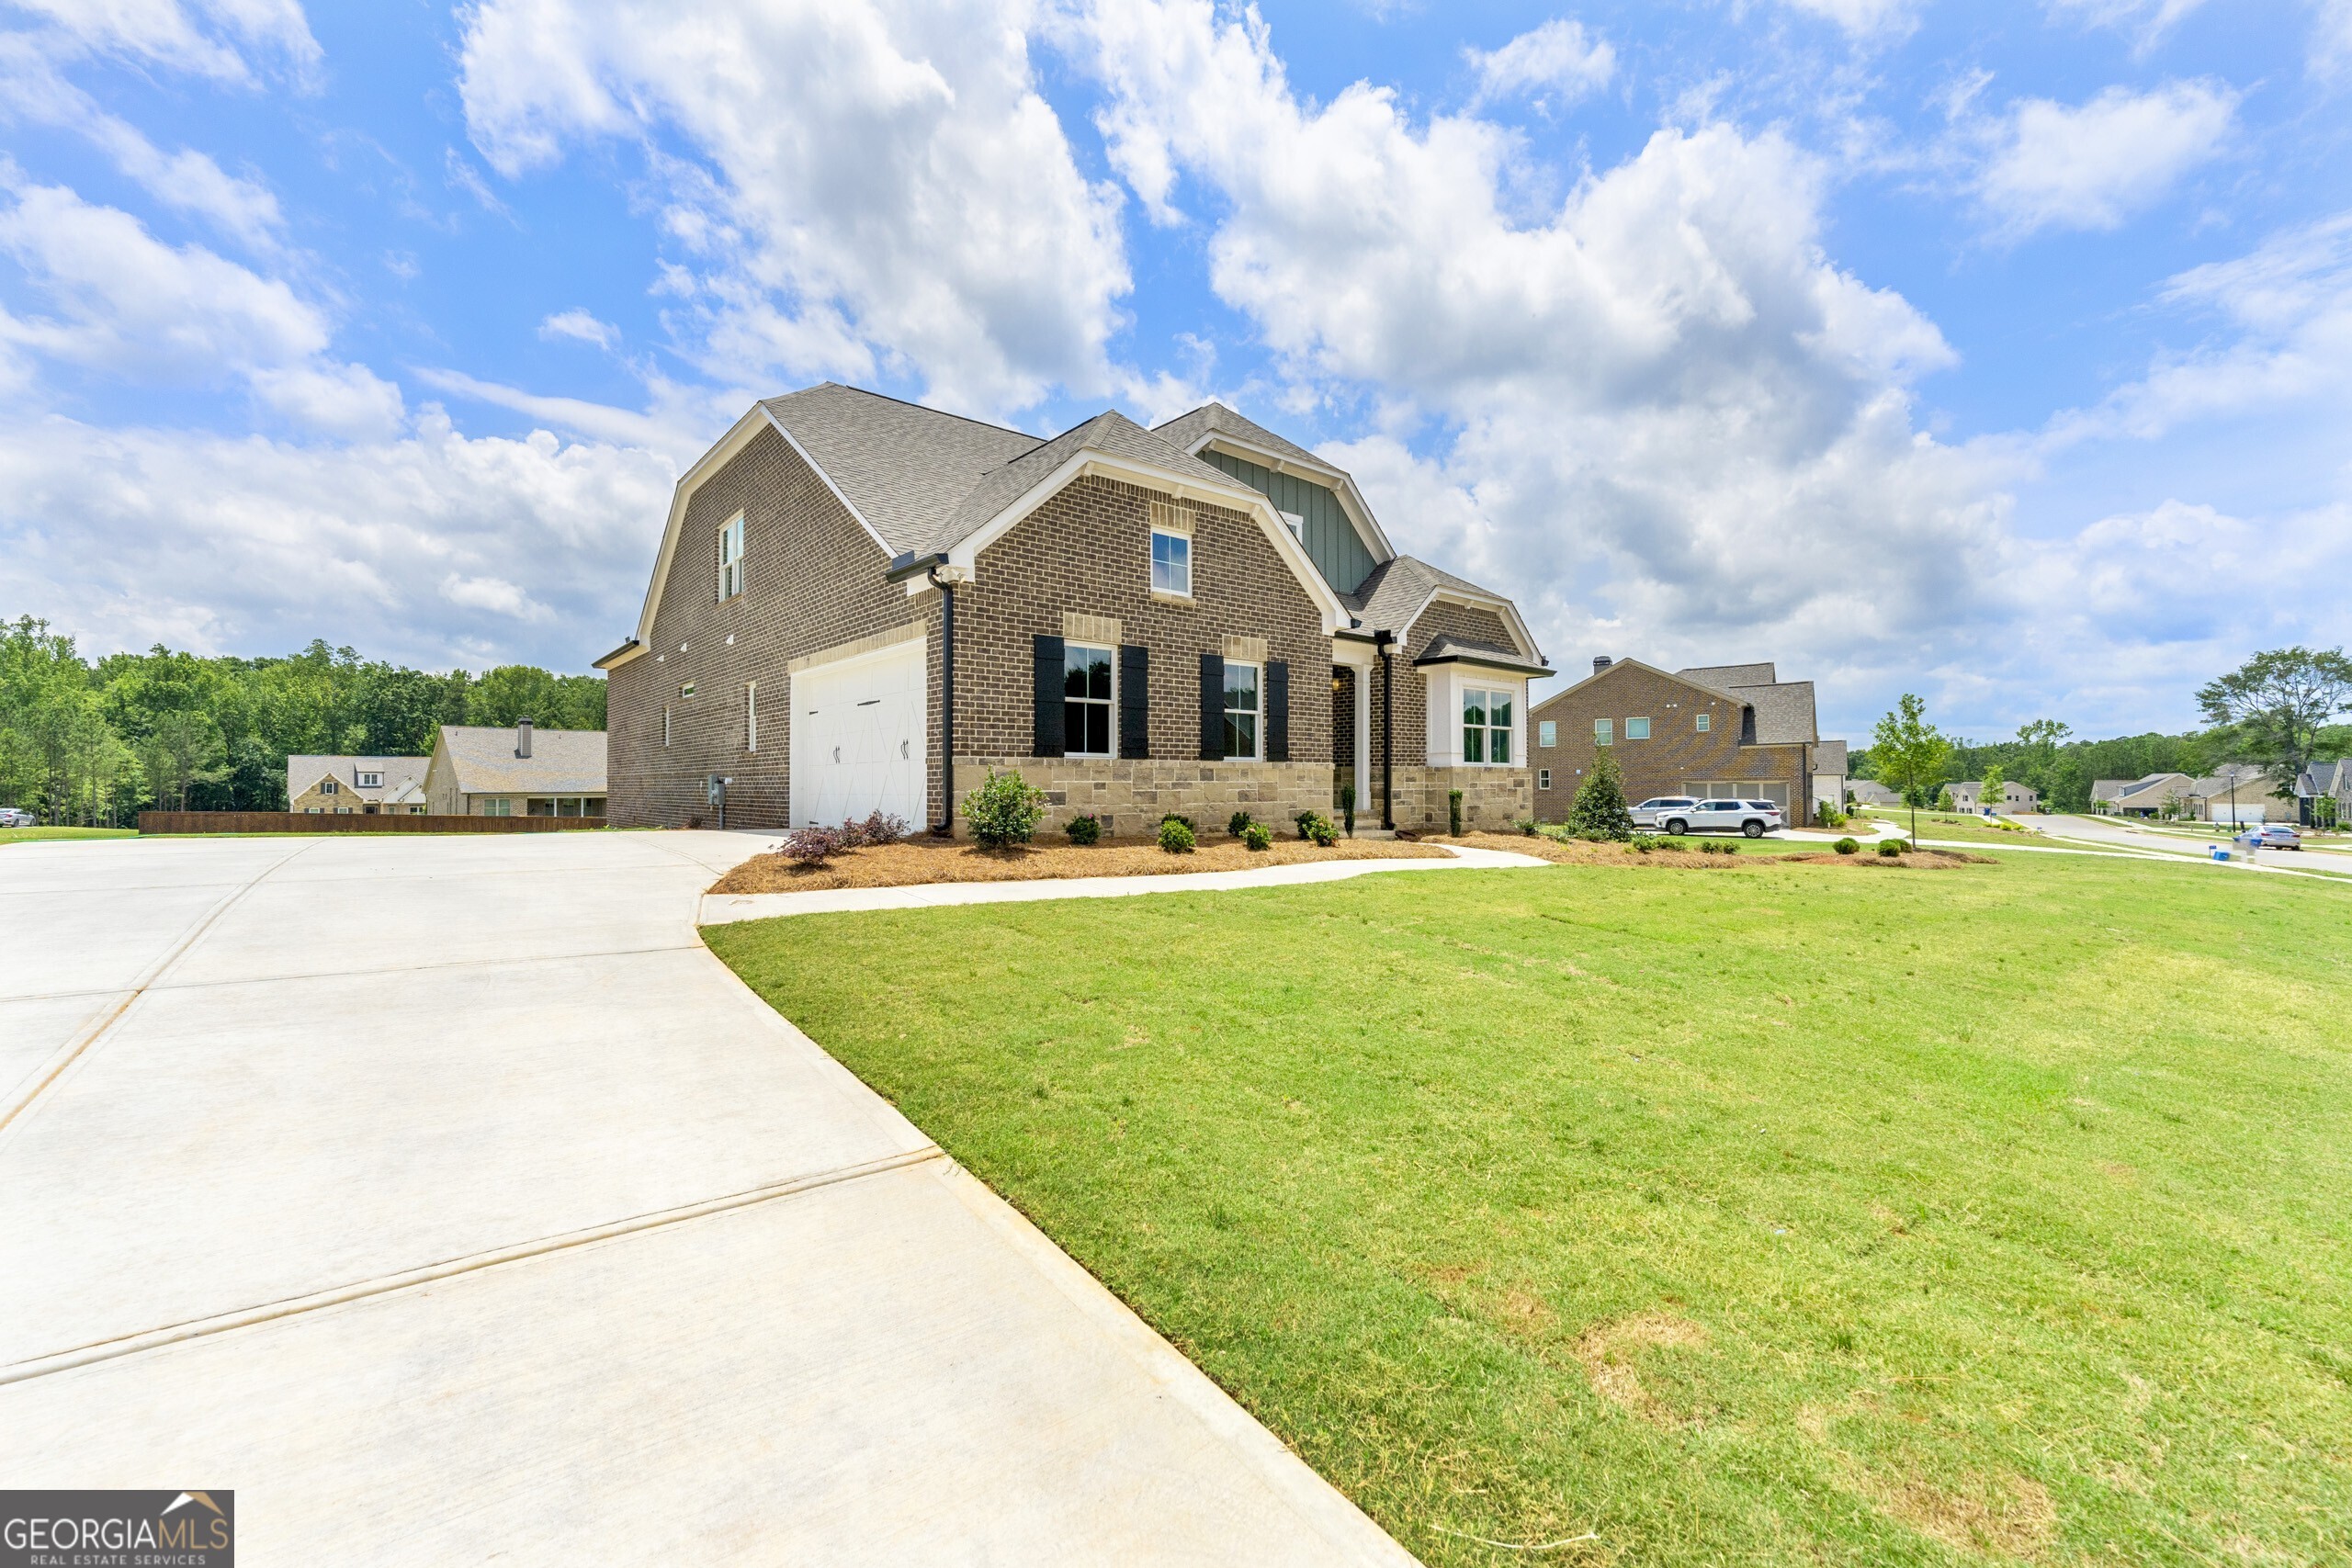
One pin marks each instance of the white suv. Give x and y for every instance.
(1649, 812)
(1753, 817)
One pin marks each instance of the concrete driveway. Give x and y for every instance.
(448, 1200)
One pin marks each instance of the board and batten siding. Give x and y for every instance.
(1332, 541)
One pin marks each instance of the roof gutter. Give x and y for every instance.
(620, 655)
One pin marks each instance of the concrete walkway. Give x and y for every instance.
(723, 908)
(447, 1199)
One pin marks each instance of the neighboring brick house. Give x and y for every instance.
(348, 787)
(2015, 796)
(483, 771)
(1729, 729)
(1196, 618)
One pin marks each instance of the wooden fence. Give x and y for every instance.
(355, 822)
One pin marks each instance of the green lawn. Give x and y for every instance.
(1777, 1215)
(34, 835)
(1953, 826)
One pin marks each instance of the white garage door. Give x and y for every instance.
(857, 737)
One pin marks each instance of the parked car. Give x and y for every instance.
(1647, 813)
(2276, 836)
(11, 816)
(1753, 817)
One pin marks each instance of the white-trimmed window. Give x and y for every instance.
(1543, 778)
(750, 715)
(328, 786)
(1295, 523)
(370, 781)
(1086, 701)
(1172, 550)
(1637, 729)
(497, 805)
(1706, 722)
(1486, 725)
(1604, 732)
(1547, 735)
(1244, 705)
(730, 558)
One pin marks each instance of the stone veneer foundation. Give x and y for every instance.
(1134, 794)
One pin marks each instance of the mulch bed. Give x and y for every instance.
(913, 862)
(1580, 853)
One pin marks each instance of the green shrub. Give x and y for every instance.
(1314, 826)
(1239, 823)
(1300, 818)
(1454, 812)
(1175, 836)
(1005, 810)
(1258, 836)
(1172, 816)
(1645, 842)
(1084, 830)
(1348, 806)
(1846, 846)
(1599, 811)
(1890, 848)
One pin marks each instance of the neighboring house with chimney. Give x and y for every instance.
(1970, 796)
(1724, 729)
(479, 771)
(863, 604)
(347, 786)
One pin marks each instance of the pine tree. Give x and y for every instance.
(1600, 810)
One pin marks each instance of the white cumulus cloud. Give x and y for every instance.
(122, 301)
(851, 187)
(1559, 60)
(2053, 165)
(204, 37)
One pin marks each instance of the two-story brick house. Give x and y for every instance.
(1729, 729)
(861, 604)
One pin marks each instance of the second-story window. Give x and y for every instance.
(1604, 731)
(1706, 722)
(730, 558)
(1637, 729)
(371, 781)
(1086, 701)
(1171, 563)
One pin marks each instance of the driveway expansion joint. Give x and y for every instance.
(293, 1306)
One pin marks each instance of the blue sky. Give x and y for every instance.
(2002, 354)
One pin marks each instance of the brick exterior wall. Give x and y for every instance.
(1088, 551)
(1492, 797)
(1675, 757)
(812, 581)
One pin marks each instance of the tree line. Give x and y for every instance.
(2275, 711)
(92, 742)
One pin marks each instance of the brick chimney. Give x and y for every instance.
(522, 737)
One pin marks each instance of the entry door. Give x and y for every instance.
(857, 737)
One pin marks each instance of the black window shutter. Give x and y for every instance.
(1135, 700)
(1048, 740)
(1212, 707)
(1277, 710)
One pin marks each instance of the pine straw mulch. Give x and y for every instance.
(912, 862)
(1577, 852)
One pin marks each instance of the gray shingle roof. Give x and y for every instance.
(1726, 677)
(562, 762)
(1112, 432)
(927, 481)
(1446, 648)
(1398, 587)
(1784, 710)
(1829, 757)
(905, 467)
(1187, 428)
(303, 771)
